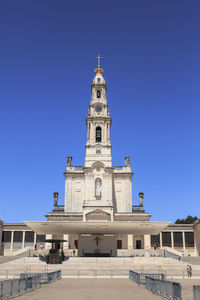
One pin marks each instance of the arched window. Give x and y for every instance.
(98, 135)
(98, 94)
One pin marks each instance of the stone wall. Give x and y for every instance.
(197, 237)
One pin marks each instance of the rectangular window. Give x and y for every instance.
(166, 239)
(189, 239)
(155, 240)
(178, 239)
(40, 238)
(29, 238)
(17, 240)
(6, 239)
(76, 244)
(119, 244)
(138, 244)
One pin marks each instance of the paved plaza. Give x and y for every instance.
(187, 287)
(101, 288)
(98, 289)
(91, 289)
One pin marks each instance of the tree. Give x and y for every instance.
(188, 220)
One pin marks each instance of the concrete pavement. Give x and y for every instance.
(91, 289)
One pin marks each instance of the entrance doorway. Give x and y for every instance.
(119, 244)
(97, 245)
(138, 244)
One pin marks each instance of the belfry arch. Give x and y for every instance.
(98, 134)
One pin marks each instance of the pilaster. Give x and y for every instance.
(23, 239)
(161, 239)
(183, 237)
(172, 239)
(147, 241)
(48, 237)
(130, 241)
(12, 238)
(66, 244)
(34, 240)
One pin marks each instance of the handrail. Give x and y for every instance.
(26, 283)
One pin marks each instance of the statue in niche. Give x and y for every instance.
(98, 188)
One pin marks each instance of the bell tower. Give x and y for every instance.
(98, 121)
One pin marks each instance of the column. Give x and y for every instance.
(12, 237)
(172, 239)
(66, 244)
(147, 241)
(161, 239)
(183, 234)
(23, 240)
(130, 241)
(34, 241)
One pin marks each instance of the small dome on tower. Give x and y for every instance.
(98, 79)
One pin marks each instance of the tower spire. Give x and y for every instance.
(98, 70)
(98, 145)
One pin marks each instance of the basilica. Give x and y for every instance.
(98, 218)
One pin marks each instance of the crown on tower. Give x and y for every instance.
(98, 70)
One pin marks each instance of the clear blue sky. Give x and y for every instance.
(151, 53)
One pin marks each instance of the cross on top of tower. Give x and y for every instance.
(99, 60)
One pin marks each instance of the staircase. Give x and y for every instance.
(101, 267)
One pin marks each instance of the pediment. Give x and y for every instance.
(98, 164)
(98, 214)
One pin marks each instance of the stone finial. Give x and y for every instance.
(55, 197)
(69, 161)
(141, 198)
(127, 161)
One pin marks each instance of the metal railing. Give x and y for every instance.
(196, 292)
(137, 208)
(134, 276)
(164, 288)
(46, 277)
(27, 282)
(14, 287)
(140, 278)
